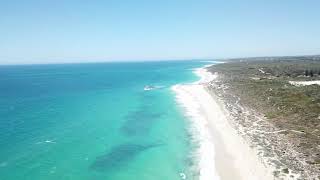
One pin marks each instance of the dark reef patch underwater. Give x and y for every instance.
(119, 156)
(139, 122)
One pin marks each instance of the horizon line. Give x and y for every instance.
(154, 60)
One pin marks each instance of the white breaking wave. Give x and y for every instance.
(206, 117)
(182, 175)
(206, 151)
(212, 61)
(205, 76)
(46, 141)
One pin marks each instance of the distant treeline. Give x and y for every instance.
(311, 73)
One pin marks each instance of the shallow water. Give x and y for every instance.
(94, 121)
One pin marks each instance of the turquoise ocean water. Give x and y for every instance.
(94, 122)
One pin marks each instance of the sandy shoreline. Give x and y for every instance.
(222, 153)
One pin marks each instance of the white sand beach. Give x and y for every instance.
(304, 83)
(222, 153)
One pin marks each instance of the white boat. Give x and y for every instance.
(148, 88)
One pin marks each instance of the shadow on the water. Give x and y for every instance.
(119, 156)
(139, 122)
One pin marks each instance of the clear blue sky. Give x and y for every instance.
(47, 31)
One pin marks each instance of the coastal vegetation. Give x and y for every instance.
(263, 85)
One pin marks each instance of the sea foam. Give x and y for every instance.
(205, 153)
